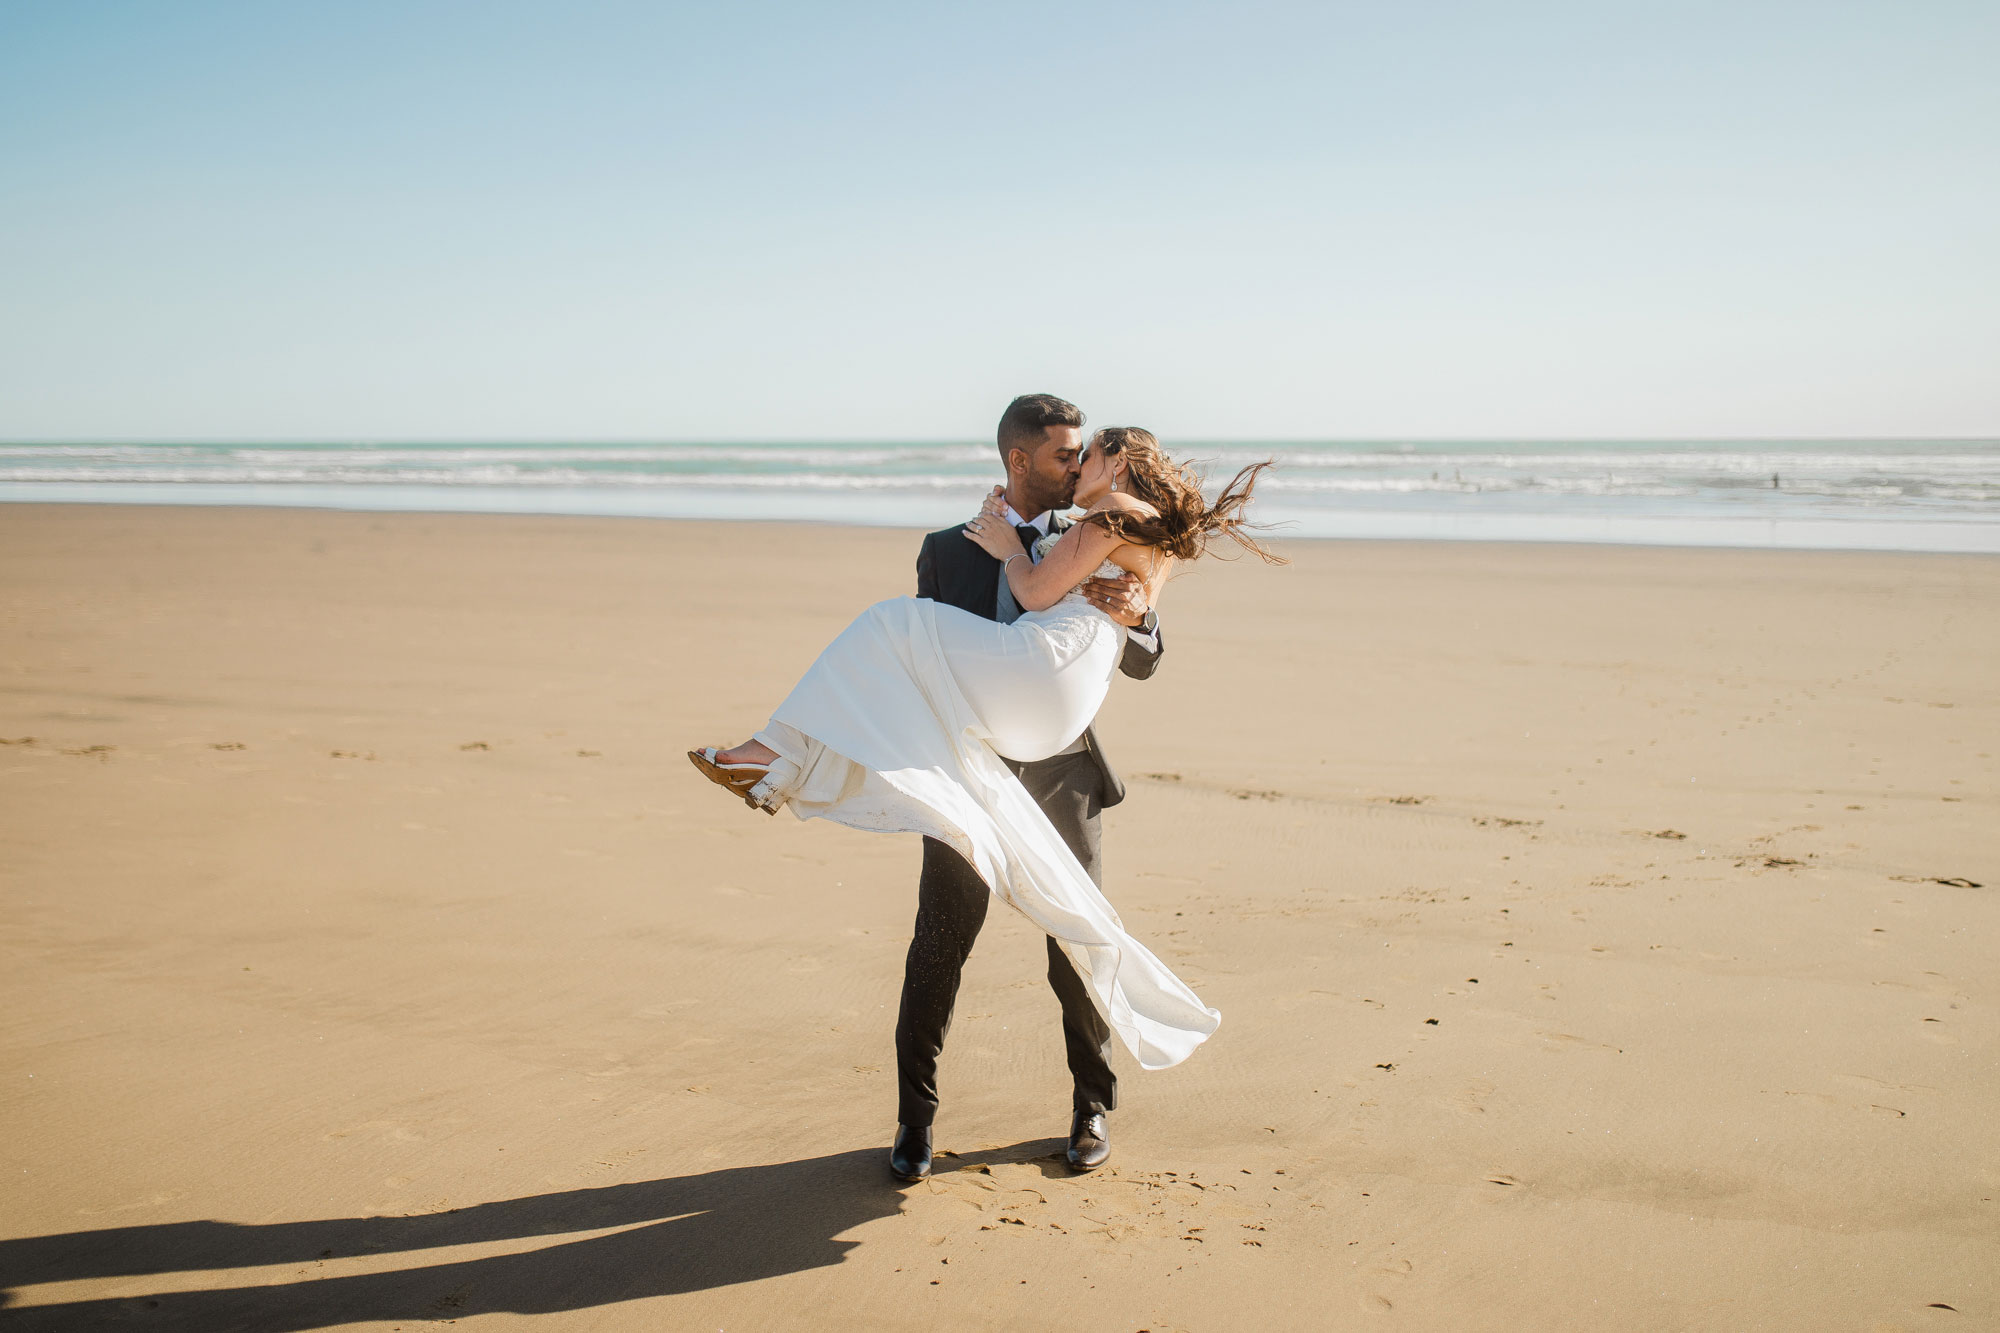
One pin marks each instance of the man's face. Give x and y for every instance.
(1051, 472)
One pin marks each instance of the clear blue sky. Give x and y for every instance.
(640, 221)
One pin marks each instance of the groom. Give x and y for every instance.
(1041, 445)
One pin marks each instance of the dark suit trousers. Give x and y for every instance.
(951, 906)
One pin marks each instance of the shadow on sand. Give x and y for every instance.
(686, 1234)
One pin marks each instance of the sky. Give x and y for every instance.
(616, 221)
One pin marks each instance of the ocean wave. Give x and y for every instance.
(1965, 460)
(1277, 483)
(1986, 465)
(502, 475)
(1871, 480)
(818, 456)
(106, 451)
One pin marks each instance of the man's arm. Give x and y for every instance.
(1142, 654)
(1124, 599)
(927, 578)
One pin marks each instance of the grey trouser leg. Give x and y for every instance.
(951, 907)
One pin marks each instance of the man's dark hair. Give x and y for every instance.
(1022, 424)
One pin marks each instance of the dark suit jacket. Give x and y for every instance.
(955, 571)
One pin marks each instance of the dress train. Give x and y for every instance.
(898, 727)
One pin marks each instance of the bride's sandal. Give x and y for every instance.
(739, 778)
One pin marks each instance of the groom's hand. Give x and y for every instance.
(1122, 598)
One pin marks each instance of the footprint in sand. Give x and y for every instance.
(1471, 1099)
(1873, 1084)
(1935, 1034)
(1566, 1041)
(1390, 1268)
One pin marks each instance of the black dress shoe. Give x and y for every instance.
(1089, 1142)
(910, 1159)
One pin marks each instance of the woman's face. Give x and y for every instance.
(1100, 470)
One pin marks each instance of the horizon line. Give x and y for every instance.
(786, 441)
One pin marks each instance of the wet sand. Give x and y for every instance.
(1605, 938)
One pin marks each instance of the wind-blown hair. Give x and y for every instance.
(1187, 524)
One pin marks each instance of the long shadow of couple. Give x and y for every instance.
(709, 1230)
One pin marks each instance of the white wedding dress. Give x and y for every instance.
(899, 726)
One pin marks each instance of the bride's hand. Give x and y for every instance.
(994, 535)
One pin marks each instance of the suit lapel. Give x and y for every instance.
(973, 582)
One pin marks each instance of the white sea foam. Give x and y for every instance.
(390, 455)
(500, 475)
(1758, 490)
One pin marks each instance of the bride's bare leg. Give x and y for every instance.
(755, 770)
(749, 752)
(765, 769)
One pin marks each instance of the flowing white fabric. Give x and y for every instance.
(898, 728)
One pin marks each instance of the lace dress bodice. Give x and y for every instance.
(1071, 625)
(1110, 569)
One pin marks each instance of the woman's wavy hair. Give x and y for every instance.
(1187, 523)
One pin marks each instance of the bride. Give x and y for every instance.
(900, 725)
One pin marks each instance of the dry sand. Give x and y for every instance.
(1605, 938)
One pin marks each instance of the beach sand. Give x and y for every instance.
(1605, 937)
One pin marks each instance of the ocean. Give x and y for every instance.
(1916, 495)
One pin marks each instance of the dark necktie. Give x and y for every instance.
(1030, 534)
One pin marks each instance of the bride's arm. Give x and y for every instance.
(1074, 558)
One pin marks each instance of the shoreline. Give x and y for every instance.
(1974, 539)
